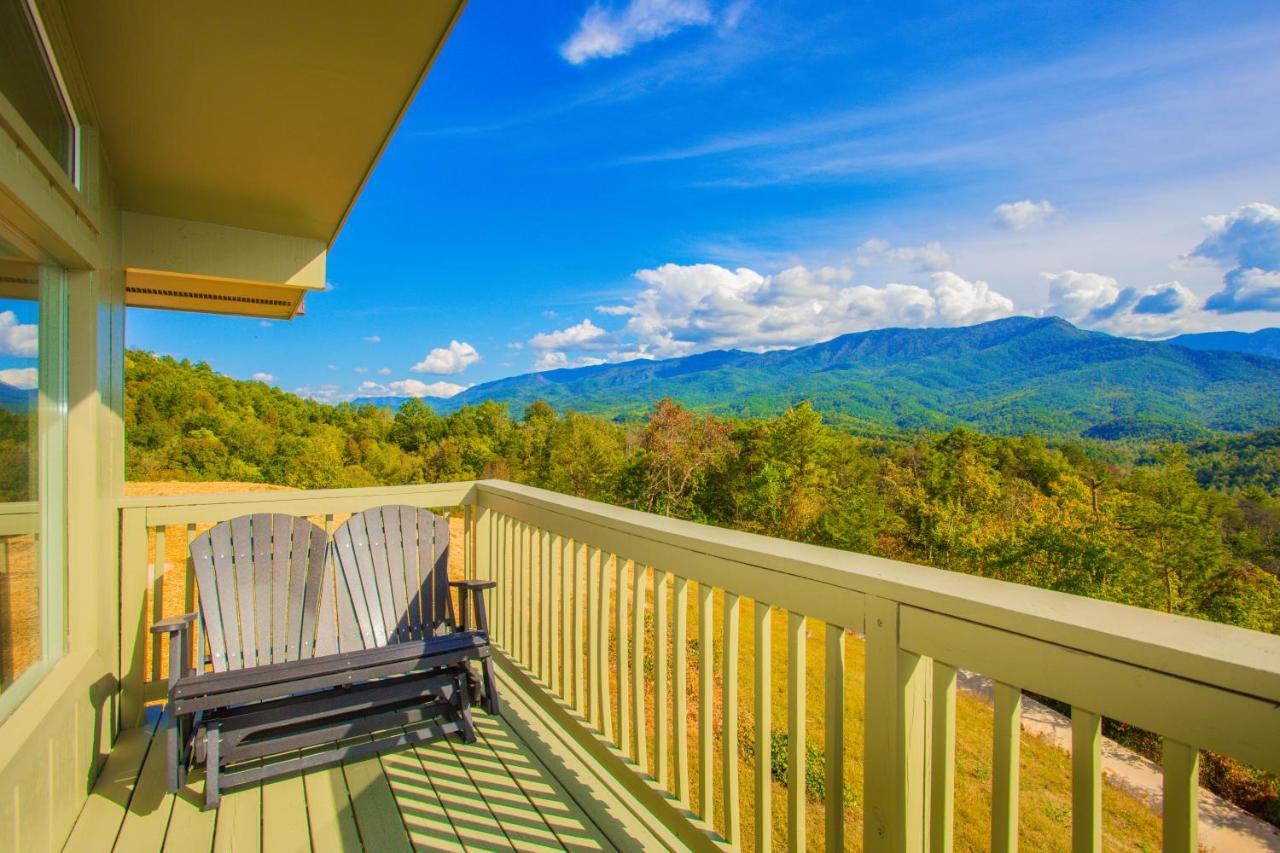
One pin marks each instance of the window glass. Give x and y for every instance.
(32, 449)
(20, 635)
(28, 81)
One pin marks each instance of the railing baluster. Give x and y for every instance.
(545, 601)
(1181, 797)
(504, 576)
(1086, 781)
(641, 752)
(155, 583)
(579, 625)
(564, 583)
(606, 702)
(593, 636)
(942, 759)
(509, 583)
(764, 726)
(661, 693)
(796, 634)
(680, 690)
(706, 685)
(1004, 769)
(834, 731)
(729, 721)
(524, 601)
(620, 662)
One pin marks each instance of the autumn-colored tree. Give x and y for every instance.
(676, 451)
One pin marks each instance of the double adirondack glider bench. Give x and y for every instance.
(322, 650)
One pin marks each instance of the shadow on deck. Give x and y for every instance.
(512, 789)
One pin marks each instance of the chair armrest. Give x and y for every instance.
(173, 624)
(179, 630)
(476, 604)
(474, 584)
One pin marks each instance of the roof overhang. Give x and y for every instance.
(262, 118)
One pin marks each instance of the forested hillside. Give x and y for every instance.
(1191, 529)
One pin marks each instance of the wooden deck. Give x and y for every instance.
(494, 794)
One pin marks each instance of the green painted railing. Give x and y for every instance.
(594, 605)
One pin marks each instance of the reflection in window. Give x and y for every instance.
(21, 606)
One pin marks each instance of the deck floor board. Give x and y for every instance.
(444, 795)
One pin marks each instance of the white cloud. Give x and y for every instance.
(605, 31)
(20, 340)
(264, 377)
(931, 257)
(1097, 301)
(373, 339)
(410, 388)
(322, 393)
(446, 361)
(697, 307)
(384, 371)
(1247, 241)
(583, 334)
(1020, 215)
(613, 310)
(550, 361)
(25, 378)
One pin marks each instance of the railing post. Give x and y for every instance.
(1181, 807)
(133, 615)
(894, 739)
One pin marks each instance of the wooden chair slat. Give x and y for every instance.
(426, 562)
(260, 529)
(395, 567)
(351, 588)
(242, 557)
(281, 542)
(409, 561)
(228, 611)
(364, 564)
(299, 578)
(440, 573)
(210, 613)
(387, 604)
(318, 571)
(326, 642)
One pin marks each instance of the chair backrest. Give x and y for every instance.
(392, 576)
(260, 579)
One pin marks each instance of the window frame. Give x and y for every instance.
(51, 504)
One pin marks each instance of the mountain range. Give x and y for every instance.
(1021, 374)
(1262, 342)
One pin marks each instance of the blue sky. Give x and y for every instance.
(584, 181)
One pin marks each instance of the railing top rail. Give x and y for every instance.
(449, 494)
(1223, 656)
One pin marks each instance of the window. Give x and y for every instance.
(30, 81)
(32, 474)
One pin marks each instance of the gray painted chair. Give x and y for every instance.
(350, 644)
